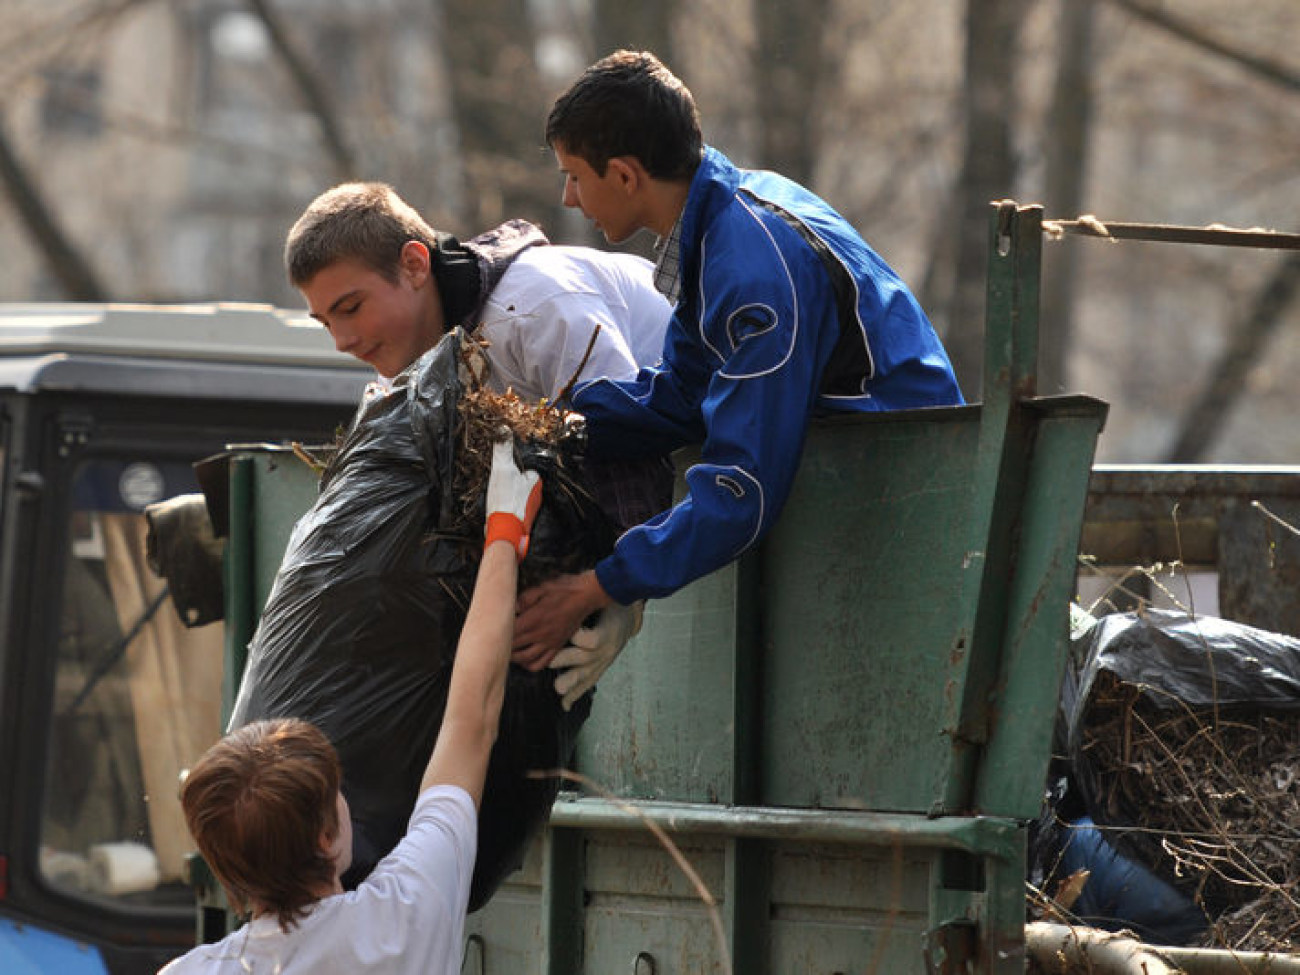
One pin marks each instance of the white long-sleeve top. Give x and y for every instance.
(541, 315)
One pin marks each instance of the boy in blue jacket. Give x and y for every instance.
(781, 311)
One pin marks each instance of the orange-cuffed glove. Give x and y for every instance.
(513, 497)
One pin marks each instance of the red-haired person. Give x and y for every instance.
(266, 811)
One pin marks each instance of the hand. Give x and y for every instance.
(550, 613)
(593, 648)
(513, 497)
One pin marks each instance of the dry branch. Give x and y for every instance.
(1208, 798)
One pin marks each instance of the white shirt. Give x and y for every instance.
(408, 916)
(541, 315)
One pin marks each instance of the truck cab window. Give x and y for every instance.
(137, 697)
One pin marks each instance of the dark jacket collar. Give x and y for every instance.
(467, 272)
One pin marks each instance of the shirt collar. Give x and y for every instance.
(668, 263)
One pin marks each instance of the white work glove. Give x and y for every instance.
(593, 648)
(513, 497)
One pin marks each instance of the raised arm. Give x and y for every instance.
(478, 676)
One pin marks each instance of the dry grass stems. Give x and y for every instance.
(1210, 798)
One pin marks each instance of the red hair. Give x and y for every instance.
(257, 804)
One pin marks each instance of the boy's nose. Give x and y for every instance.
(344, 340)
(569, 196)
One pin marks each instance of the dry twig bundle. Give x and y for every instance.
(571, 531)
(1209, 799)
(483, 414)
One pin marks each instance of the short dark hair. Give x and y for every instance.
(629, 104)
(366, 222)
(257, 803)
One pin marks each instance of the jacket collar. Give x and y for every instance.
(713, 187)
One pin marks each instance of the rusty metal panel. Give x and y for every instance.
(661, 723)
(865, 631)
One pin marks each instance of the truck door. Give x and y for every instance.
(105, 695)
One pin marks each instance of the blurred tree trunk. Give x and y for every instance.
(790, 67)
(635, 26)
(1069, 127)
(1247, 339)
(65, 262)
(311, 87)
(987, 173)
(500, 110)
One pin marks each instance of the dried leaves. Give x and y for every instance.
(572, 532)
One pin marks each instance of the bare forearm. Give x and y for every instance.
(478, 678)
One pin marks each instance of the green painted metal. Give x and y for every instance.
(277, 509)
(864, 614)
(562, 907)
(241, 601)
(980, 835)
(1035, 645)
(270, 488)
(997, 478)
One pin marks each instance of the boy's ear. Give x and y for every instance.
(629, 172)
(414, 259)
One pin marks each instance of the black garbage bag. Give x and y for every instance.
(1181, 659)
(1171, 728)
(360, 628)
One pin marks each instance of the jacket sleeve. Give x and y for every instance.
(653, 414)
(760, 350)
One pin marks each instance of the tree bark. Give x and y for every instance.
(1069, 130)
(790, 66)
(635, 26)
(500, 111)
(65, 262)
(987, 173)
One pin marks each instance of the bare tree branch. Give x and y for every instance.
(28, 46)
(309, 86)
(1261, 67)
(64, 260)
(1246, 342)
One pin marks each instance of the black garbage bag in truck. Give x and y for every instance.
(360, 628)
(1194, 684)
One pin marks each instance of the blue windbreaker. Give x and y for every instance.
(784, 311)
